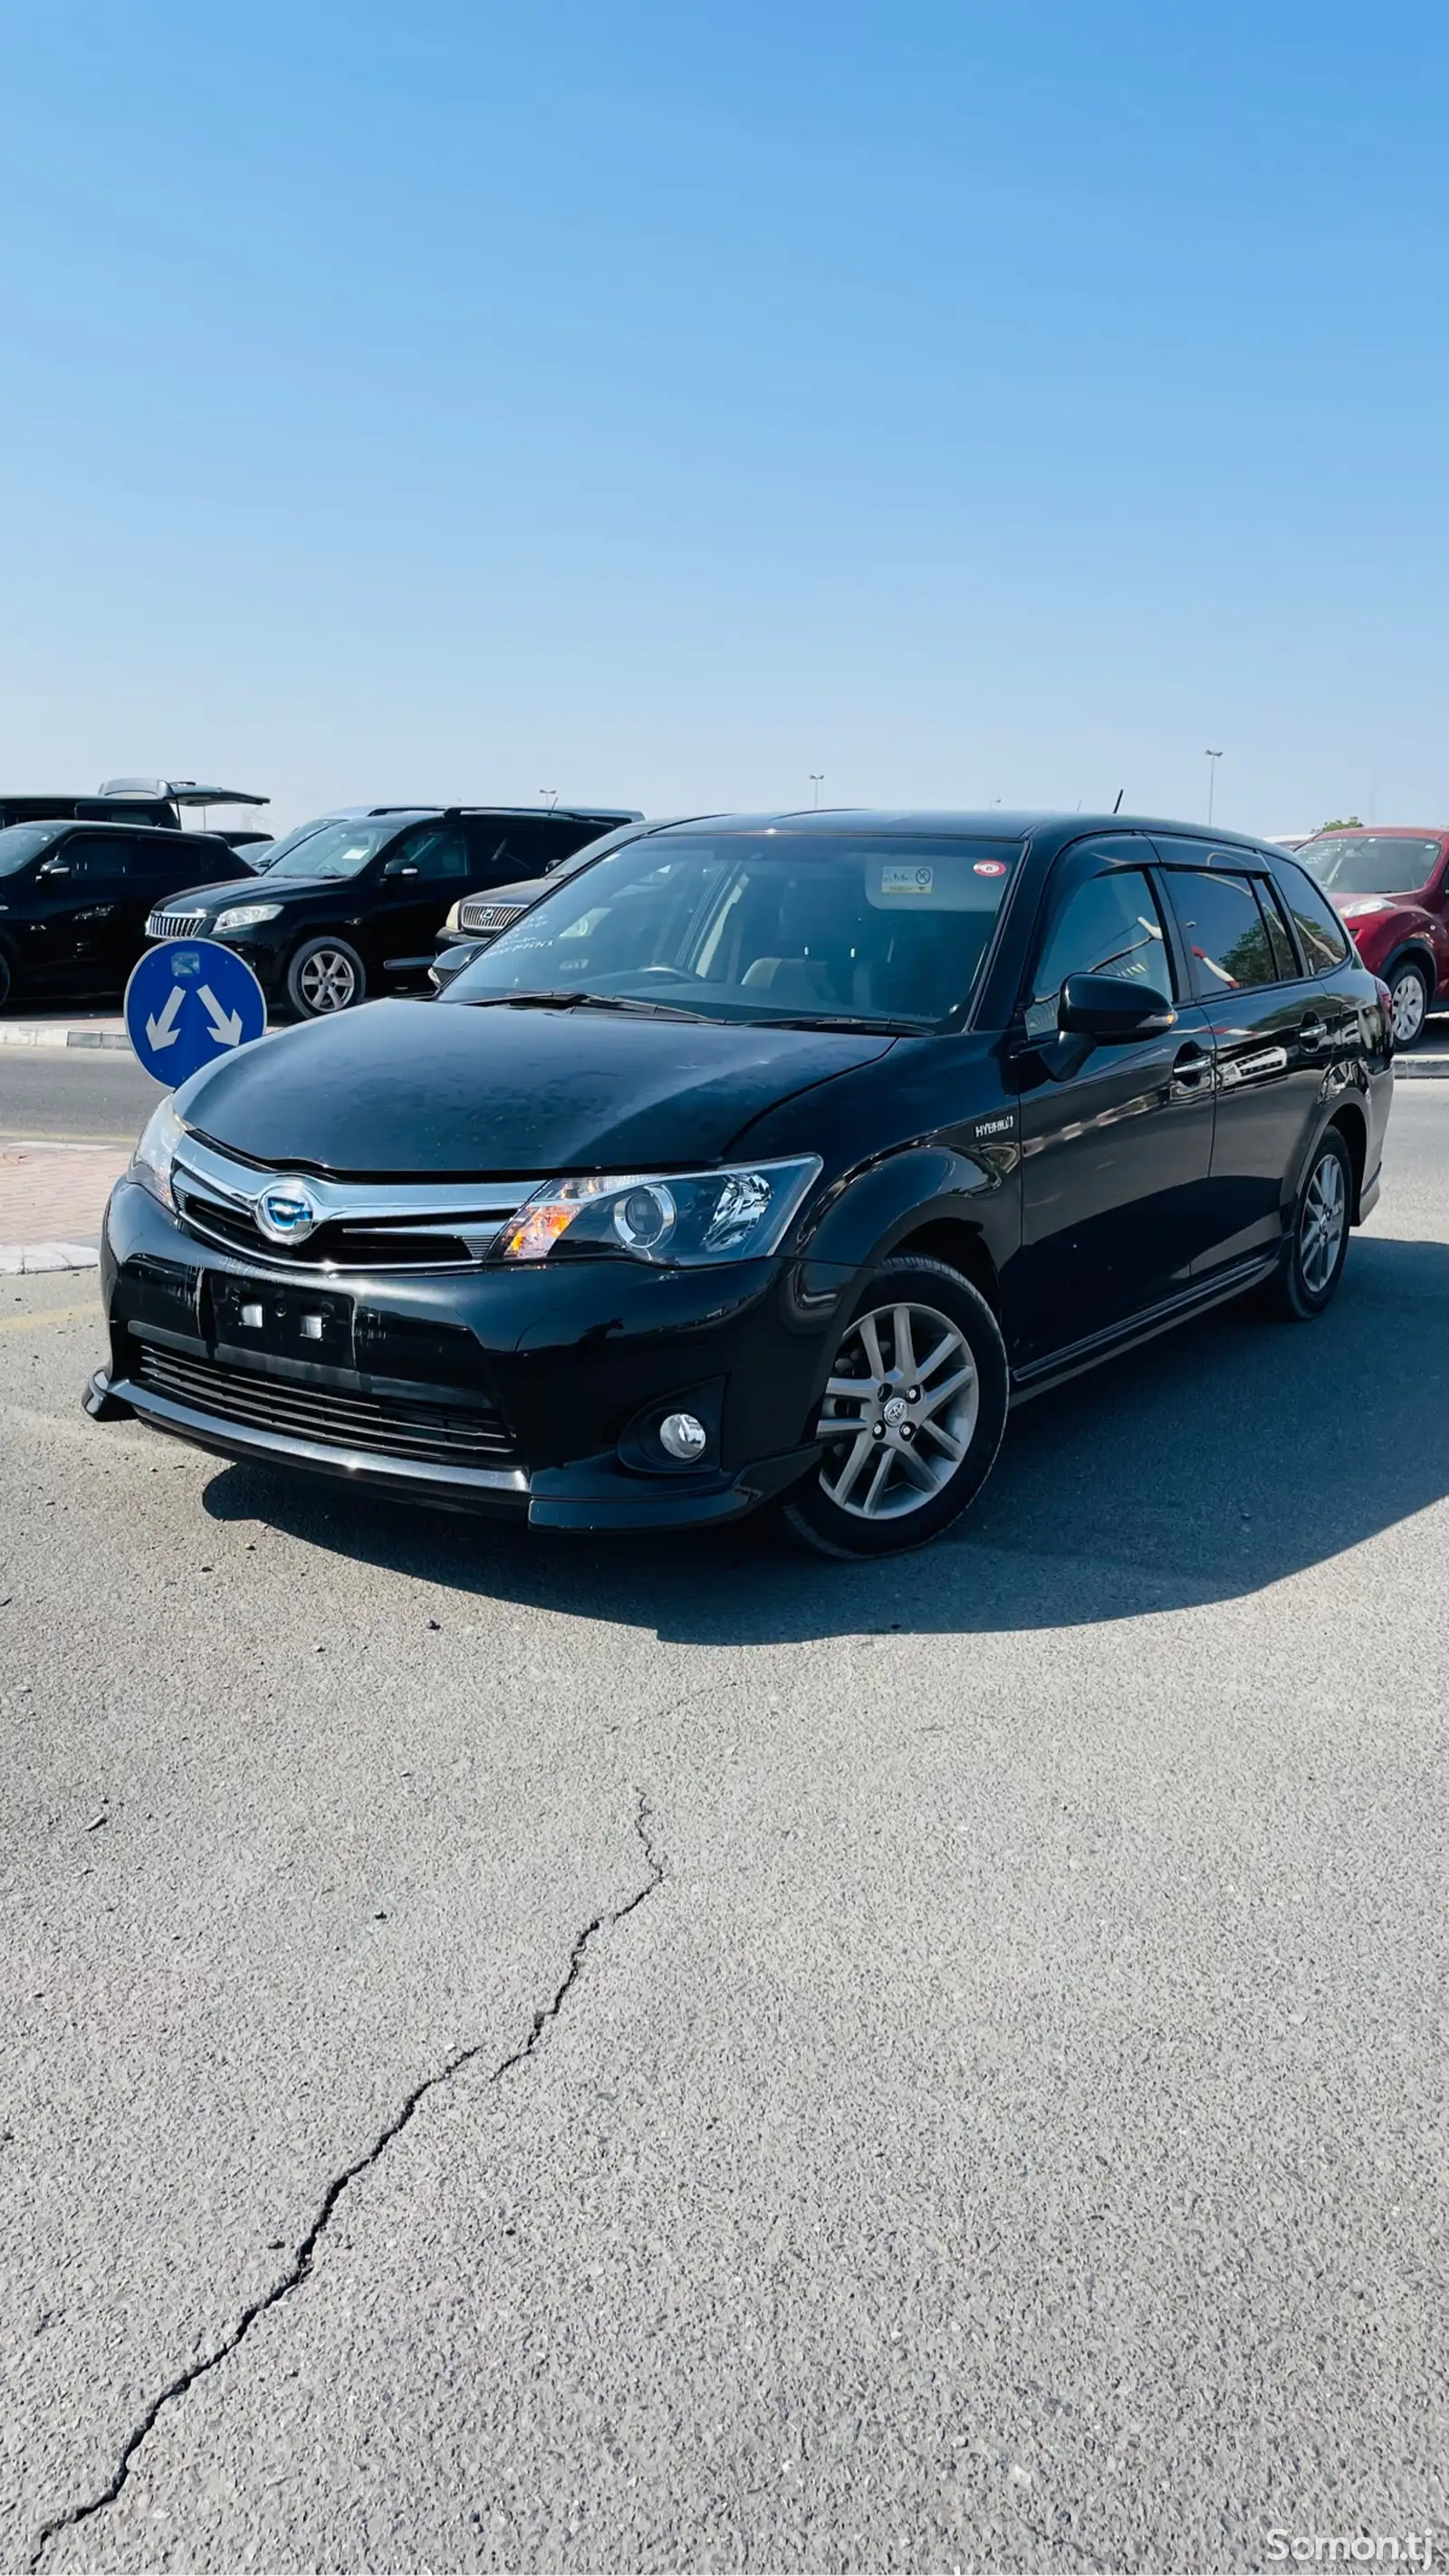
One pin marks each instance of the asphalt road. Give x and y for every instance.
(547, 2056)
(83, 1094)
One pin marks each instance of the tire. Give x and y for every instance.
(4, 979)
(1410, 998)
(324, 976)
(1317, 1246)
(848, 1507)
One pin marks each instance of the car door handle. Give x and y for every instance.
(1313, 1030)
(1191, 1066)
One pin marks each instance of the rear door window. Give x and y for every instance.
(174, 858)
(1279, 937)
(506, 847)
(1225, 932)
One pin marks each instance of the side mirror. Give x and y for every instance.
(54, 868)
(1111, 1012)
(400, 868)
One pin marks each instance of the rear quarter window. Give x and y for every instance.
(1322, 935)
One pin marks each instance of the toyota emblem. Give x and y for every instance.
(287, 1212)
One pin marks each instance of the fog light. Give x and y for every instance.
(683, 1435)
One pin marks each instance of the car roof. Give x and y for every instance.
(1380, 832)
(92, 823)
(995, 824)
(610, 814)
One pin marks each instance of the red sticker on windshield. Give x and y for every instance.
(990, 868)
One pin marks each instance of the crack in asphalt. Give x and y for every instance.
(300, 2268)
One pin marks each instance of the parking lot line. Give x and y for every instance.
(50, 1315)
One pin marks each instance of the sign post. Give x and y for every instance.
(188, 1003)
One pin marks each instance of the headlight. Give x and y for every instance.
(693, 1217)
(245, 916)
(151, 1162)
(450, 918)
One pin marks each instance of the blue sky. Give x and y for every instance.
(662, 402)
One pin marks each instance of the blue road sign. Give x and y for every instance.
(190, 1002)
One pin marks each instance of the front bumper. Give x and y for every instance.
(477, 1389)
(266, 950)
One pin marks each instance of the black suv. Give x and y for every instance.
(771, 1157)
(74, 898)
(351, 905)
(478, 919)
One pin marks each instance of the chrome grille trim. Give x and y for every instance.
(173, 925)
(477, 913)
(422, 1213)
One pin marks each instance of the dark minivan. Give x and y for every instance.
(75, 899)
(353, 902)
(766, 1160)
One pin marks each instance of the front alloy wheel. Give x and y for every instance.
(1408, 1002)
(324, 976)
(912, 1414)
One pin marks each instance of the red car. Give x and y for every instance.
(1390, 884)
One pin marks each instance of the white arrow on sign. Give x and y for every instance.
(161, 1028)
(226, 1026)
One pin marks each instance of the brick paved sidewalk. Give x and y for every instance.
(52, 1199)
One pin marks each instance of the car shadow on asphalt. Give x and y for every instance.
(1205, 1466)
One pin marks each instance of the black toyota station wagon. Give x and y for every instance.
(75, 897)
(354, 901)
(766, 1160)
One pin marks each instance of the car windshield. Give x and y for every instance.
(274, 850)
(1370, 862)
(21, 843)
(809, 927)
(329, 849)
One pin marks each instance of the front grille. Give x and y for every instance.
(450, 1433)
(477, 913)
(339, 1246)
(361, 1225)
(174, 925)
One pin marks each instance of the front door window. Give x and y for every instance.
(1109, 926)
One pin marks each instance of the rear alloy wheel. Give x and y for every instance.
(912, 1416)
(325, 976)
(1408, 1000)
(1314, 1255)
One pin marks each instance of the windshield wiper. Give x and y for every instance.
(569, 998)
(852, 1020)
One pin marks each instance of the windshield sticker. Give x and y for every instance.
(900, 880)
(990, 868)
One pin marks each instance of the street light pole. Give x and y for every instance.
(816, 775)
(1212, 758)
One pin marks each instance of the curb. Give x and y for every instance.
(1432, 1068)
(19, 1260)
(40, 1035)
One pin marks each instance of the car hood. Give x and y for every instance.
(435, 1089)
(1374, 907)
(218, 895)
